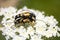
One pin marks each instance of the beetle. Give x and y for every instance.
(25, 18)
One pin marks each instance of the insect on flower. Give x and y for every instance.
(25, 18)
(32, 24)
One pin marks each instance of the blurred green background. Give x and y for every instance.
(50, 7)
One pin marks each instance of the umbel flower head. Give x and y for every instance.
(27, 24)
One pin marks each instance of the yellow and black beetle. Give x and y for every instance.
(25, 18)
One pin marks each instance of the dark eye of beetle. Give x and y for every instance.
(32, 17)
(24, 18)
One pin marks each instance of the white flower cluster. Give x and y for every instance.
(45, 25)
